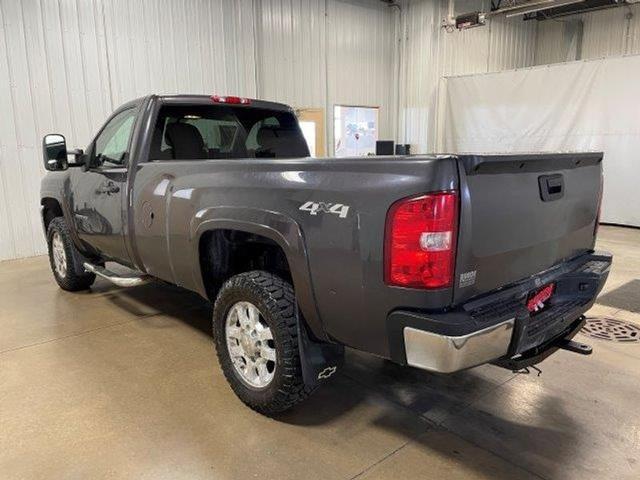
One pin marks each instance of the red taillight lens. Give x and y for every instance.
(420, 241)
(230, 100)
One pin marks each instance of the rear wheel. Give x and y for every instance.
(256, 337)
(65, 260)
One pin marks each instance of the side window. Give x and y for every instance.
(112, 144)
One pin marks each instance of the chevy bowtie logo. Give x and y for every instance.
(327, 372)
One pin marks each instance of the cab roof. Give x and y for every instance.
(208, 100)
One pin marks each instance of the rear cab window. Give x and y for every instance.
(193, 132)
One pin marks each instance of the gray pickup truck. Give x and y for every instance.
(438, 262)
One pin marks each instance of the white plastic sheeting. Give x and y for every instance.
(578, 106)
(427, 52)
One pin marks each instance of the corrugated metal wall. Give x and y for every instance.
(300, 78)
(315, 54)
(192, 46)
(360, 61)
(605, 33)
(53, 77)
(428, 53)
(66, 64)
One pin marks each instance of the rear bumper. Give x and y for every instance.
(498, 327)
(446, 354)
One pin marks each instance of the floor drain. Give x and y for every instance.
(611, 329)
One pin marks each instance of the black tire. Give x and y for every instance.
(74, 278)
(276, 302)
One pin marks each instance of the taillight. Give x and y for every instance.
(420, 241)
(231, 100)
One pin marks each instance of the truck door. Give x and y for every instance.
(97, 194)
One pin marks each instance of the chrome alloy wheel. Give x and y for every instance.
(59, 255)
(250, 344)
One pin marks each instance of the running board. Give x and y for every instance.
(118, 279)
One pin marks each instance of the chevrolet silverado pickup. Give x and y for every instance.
(440, 262)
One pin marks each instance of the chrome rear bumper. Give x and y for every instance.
(447, 354)
(498, 328)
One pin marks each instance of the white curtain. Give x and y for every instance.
(580, 106)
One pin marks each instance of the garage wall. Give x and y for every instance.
(328, 53)
(360, 61)
(66, 64)
(603, 33)
(292, 35)
(428, 53)
(193, 46)
(53, 77)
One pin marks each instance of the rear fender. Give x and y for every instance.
(283, 230)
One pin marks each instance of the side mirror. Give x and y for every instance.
(54, 149)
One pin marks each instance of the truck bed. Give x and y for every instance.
(507, 232)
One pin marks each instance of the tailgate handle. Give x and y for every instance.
(551, 187)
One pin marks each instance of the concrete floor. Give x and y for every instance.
(124, 384)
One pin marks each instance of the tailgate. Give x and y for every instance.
(522, 214)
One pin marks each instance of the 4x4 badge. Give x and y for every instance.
(321, 207)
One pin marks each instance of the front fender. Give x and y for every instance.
(282, 229)
(55, 187)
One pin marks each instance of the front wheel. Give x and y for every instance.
(66, 261)
(256, 336)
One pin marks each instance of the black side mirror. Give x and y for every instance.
(54, 149)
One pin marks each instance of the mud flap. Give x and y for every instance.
(320, 360)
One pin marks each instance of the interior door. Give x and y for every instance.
(312, 125)
(98, 192)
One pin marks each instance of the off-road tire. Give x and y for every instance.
(76, 278)
(276, 301)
